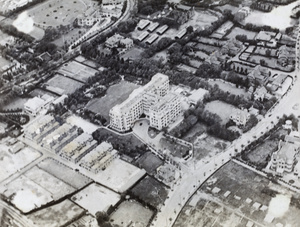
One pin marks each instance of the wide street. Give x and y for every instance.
(191, 180)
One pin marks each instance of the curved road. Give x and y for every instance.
(194, 177)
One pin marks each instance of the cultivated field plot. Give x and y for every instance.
(119, 175)
(235, 196)
(64, 173)
(222, 109)
(56, 12)
(11, 163)
(115, 94)
(34, 189)
(149, 162)
(231, 88)
(77, 71)
(151, 191)
(237, 31)
(60, 82)
(57, 215)
(131, 212)
(71, 35)
(96, 198)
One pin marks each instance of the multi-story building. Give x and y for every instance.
(141, 100)
(95, 156)
(78, 148)
(42, 126)
(164, 111)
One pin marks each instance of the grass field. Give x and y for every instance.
(115, 94)
(60, 82)
(150, 191)
(131, 212)
(222, 109)
(90, 196)
(56, 12)
(56, 215)
(235, 196)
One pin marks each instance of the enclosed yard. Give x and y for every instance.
(64, 173)
(60, 82)
(77, 71)
(115, 94)
(55, 12)
(151, 191)
(34, 189)
(236, 196)
(222, 109)
(149, 162)
(11, 163)
(56, 215)
(96, 198)
(131, 213)
(238, 31)
(119, 175)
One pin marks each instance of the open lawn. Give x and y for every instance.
(235, 196)
(238, 31)
(202, 18)
(150, 191)
(70, 36)
(133, 53)
(131, 212)
(56, 215)
(231, 88)
(17, 102)
(96, 198)
(222, 109)
(115, 94)
(149, 162)
(60, 82)
(40, 92)
(64, 173)
(55, 12)
(11, 163)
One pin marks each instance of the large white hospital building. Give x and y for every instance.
(153, 100)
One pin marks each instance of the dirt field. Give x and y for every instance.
(56, 215)
(56, 12)
(11, 163)
(89, 198)
(151, 191)
(131, 212)
(230, 88)
(116, 94)
(65, 173)
(236, 196)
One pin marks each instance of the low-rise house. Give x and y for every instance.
(113, 41)
(16, 147)
(260, 93)
(197, 96)
(143, 24)
(35, 105)
(242, 14)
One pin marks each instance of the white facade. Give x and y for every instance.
(142, 100)
(35, 105)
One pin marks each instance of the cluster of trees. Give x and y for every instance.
(13, 31)
(127, 26)
(262, 6)
(147, 7)
(189, 121)
(244, 39)
(257, 28)
(124, 144)
(103, 219)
